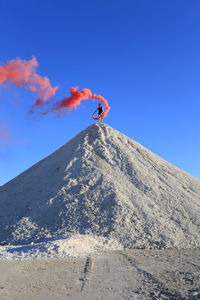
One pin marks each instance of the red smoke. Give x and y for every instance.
(23, 73)
(4, 135)
(77, 96)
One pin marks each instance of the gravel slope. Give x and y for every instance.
(103, 184)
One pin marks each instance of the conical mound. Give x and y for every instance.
(103, 183)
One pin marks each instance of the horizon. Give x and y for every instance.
(142, 57)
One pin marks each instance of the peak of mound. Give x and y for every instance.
(103, 183)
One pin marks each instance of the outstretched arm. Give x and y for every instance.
(94, 112)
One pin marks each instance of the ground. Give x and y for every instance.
(128, 274)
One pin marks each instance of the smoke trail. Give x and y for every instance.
(4, 135)
(75, 100)
(23, 73)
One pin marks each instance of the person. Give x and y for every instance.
(100, 111)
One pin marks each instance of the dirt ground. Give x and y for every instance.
(129, 274)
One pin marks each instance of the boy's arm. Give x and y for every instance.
(94, 112)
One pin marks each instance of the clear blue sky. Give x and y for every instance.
(143, 56)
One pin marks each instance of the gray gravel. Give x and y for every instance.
(103, 183)
(129, 274)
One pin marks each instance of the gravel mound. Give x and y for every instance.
(105, 185)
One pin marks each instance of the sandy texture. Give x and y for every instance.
(73, 246)
(102, 184)
(131, 274)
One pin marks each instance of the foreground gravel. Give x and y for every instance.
(129, 274)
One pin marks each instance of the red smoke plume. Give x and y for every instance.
(4, 135)
(23, 73)
(77, 96)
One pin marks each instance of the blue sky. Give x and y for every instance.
(143, 56)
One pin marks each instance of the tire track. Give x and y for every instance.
(86, 272)
(151, 286)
